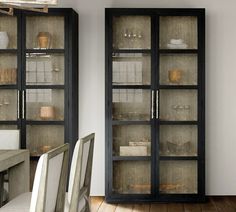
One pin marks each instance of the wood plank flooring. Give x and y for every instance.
(214, 204)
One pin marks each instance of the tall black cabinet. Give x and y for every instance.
(39, 78)
(155, 105)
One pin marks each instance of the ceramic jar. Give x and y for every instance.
(44, 40)
(175, 75)
(4, 40)
(47, 112)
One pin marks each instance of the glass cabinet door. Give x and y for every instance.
(178, 105)
(44, 83)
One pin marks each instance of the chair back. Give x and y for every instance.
(9, 139)
(80, 172)
(49, 186)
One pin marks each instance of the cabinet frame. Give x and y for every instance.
(155, 51)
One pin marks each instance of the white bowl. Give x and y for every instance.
(176, 41)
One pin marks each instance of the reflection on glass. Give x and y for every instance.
(131, 69)
(8, 69)
(176, 140)
(131, 140)
(44, 69)
(42, 138)
(8, 34)
(178, 177)
(44, 32)
(178, 32)
(45, 104)
(8, 105)
(132, 32)
(131, 104)
(178, 105)
(178, 69)
(129, 178)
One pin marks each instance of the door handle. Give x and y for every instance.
(152, 106)
(23, 104)
(18, 104)
(157, 105)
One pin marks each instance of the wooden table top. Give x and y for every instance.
(9, 158)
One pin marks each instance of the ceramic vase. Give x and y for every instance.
(4, 40)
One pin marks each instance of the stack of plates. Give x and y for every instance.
(176, 44)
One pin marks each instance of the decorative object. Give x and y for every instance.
(179, 147)
(175, 75)
(4, 40)
(45, 148)
(7, 76)
(47, 112)
(32, 5)
(133, 150)
(177, 44)
(44, 39)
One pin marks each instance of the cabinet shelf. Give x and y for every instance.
(162, 122)
(45, 86)
(31, 122)
(116, 122)
(8, 51)
(178, 157)
(178, 87)
(44, 51)
(132, 51)
(178, 51)
(131, 158)
(131, 86)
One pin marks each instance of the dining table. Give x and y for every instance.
(17, 165)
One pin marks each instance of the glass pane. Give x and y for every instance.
(178, 140)
(8, 34)
(8, 69)
(178, 177)
(131, 140)
(8, 127)
(131, 68)
(8, 105)
(42, 138)
(178, 32)
(178, 105)
(132, 177)
(131, 104)
(132, 32)
(178, 69)
(44, 32)
(44, 69)
(45, 104)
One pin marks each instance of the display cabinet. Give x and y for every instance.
(155, 110)
(39, 78)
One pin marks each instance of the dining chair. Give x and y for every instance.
(49, 186)
(77, 198)
(9, 139)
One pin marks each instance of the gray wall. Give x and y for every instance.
(220, 84)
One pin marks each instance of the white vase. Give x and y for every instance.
(4, 40)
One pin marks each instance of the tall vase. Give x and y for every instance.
(4, 40)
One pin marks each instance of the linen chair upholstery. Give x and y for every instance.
(49, 186)
(80, 176)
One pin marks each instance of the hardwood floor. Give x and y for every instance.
(215, 204)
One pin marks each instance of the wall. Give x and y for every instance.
(220, 84)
